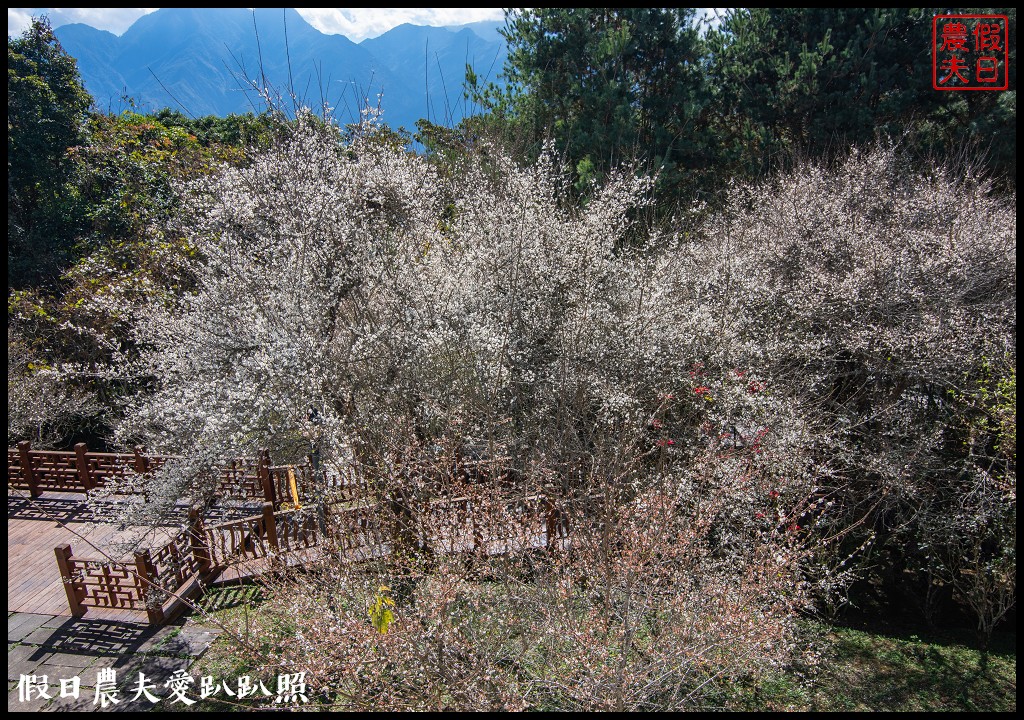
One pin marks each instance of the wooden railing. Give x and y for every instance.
(158, 578)
(77, 470)
(281, 482)
(99, 583)
(270, 532)
(247, 478)
(300, 529)
(479, 523)
(356, 529)
(50, 470)
(238, 540)
(181, 559)
(155, 582)
(80, 471)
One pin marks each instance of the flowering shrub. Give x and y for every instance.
(350, 284)
(719, 418)
(871, 296)
(41, 405)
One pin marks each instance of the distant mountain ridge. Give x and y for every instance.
(197, 60)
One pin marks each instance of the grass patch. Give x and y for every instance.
(864, 669)
(227, 597)
(234, 607)
(843, 668)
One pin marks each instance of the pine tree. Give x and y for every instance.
(46, 108)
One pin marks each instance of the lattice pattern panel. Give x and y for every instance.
(121, 468)
(240, 479)
(107, 585)
(55, 470)
(104, 467)
(175, 563)
(14, 477)
(155, 462)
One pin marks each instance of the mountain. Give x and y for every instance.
(93, 50)
(433, 60)
(486, 29)
(210, 61)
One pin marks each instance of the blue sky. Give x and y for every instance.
(355, 23)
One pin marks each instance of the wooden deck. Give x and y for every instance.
(34, 528)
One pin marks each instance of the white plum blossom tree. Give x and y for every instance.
(749, 398)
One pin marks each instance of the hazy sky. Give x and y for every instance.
(354, 23)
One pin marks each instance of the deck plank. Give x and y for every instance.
(34, 528)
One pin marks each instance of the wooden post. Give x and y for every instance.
(197, 539)
(63, 553)
(141, 465)
(321, 519)
(25, 456)
(474, 509)
(263, 469)
(268, 525)
(141, 462)
(146, 572)
(551, 523)
(82, 464)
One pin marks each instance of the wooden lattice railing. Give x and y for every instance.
(244, 539)
(51, 470)
(76, 470)
(246, 478)
(153, 582)
(300, 529)
(260, 535)
(158, 578)
(81, 471)
(357, 529)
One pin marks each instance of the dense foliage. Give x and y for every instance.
(794, 397)
(760, 91)
(806, 381)
(86, 198)
(809, 83)
(611, 85)
(46, 106)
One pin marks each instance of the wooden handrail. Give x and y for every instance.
(81, 470)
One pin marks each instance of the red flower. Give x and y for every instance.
(739, 373)
(759, 516)
(656, 423)
(773, 494)
(701, 389)
(665, 443)
(793, 527)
